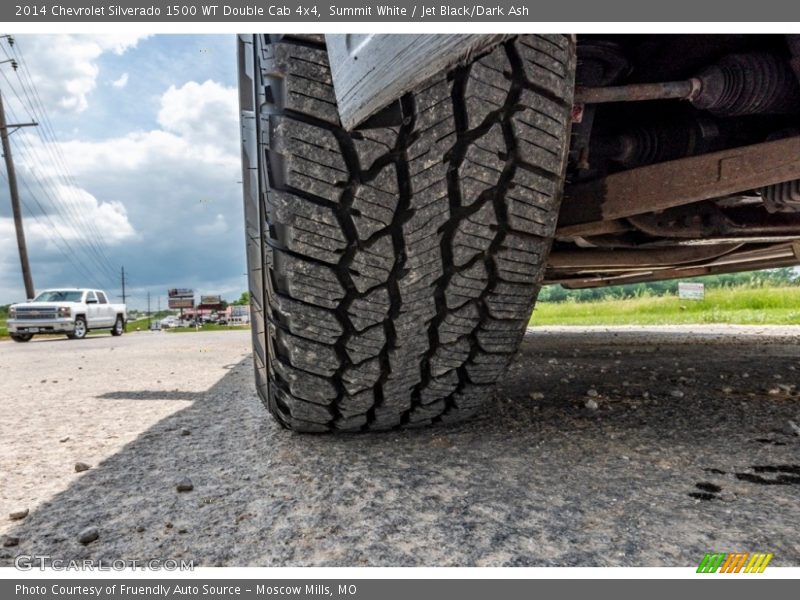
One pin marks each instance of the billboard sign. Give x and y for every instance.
(180, 293)
(691, 291)
(210, 300)
(181, 302)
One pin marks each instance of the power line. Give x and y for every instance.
(24, 152)
(86, 230)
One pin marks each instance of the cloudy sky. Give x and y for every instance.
(140, 166)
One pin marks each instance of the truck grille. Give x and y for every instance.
(36, 313)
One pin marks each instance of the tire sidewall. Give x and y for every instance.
(22, 338)
(119, 327)
(84, 329)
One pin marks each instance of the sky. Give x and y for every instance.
(141, 170)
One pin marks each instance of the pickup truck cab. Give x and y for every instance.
(71, 311)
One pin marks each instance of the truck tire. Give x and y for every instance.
(393, 270)
(21, 337)
(81, 329)
(119, 327)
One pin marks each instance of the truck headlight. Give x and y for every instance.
(12, 313)
(64, 311)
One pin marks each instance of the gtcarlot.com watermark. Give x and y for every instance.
(30, 562)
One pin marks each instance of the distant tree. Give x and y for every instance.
(786, 276)
(243, 300)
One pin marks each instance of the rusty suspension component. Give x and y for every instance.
(740, 84)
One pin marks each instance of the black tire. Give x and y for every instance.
(21, 337)
(393, 271)
(81, 329)
(119, 327)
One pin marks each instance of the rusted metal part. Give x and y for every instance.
(781, 255)
(632, 258)
(705, 220)
(679, 182)
(639, 92)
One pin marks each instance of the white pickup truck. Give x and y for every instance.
(71, 311)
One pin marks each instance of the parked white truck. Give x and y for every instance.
(71, 311)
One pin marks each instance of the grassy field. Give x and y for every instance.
(3, 330)
(743, 306)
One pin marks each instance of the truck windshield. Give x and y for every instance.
(59, 296)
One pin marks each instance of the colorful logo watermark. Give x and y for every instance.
(734, 562)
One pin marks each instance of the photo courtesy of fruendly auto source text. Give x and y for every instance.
(368, 300)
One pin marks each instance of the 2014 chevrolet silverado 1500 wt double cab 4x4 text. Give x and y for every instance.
(71, 311)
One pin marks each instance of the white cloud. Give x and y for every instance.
(200, 112)
(218, 226)
(121, 82)
(64, 68)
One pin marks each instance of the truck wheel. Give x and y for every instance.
(21, 337)
(80, 330)
(393, 270)
(119, 327)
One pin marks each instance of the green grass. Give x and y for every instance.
(744, 306)
(3, 329)
(207, 327)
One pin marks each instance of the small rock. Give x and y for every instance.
(185, 432)
(10, 541)
(140, 528)
(18, 515)
(592, 393)
(88, 535)
(185, 485)
(62, 440)
(774, 391)
(677, 394)
(80, 467)
(537, 396)
(794, 427)
(727, 390)
(591, 404)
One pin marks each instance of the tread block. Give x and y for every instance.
(474, 235)
(306, 321)
(372, 264)
(300, 79)
(319, 390)
(307, 355)
(547, 62)
(306, 281)
(369, 310)
(375, 202)
(466, 285)
(364, 376)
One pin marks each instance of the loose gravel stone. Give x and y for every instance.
(9, 541)
(592, 393)
(537, 396)
(591, 404)
(80, 467)
(18, 515)
(677, 394)
(185, 485)
(88, 535)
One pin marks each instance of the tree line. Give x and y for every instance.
(786, 276)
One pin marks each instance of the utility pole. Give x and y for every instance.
(148, 311)
(123, 285)
(14, 193)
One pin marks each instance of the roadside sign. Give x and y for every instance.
(691, 291)
(180, 293)
(181, 302)
(211, 300)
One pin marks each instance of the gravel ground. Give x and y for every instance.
(623, 446)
